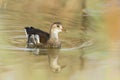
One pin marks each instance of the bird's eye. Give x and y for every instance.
(57, 25)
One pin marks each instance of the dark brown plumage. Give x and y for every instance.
(44, 36)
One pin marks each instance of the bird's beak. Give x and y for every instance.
(63, 29)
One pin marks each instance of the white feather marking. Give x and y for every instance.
(37, 38)
(33, 38)
(26, 33)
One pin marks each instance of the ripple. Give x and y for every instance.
(18, 42)
(85, 44)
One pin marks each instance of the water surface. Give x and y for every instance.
(71, 62)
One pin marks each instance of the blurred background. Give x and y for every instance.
(96, 21)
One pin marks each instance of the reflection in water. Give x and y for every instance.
(53, 58)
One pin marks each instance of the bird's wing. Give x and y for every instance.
(44, 36)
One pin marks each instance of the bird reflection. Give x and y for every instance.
(53, 58)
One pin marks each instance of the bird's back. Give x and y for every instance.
(44, 36)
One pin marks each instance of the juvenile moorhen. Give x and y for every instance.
(41, 39)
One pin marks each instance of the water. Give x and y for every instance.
(20, 63)
(83, 55)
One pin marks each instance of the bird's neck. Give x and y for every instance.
(54, 35)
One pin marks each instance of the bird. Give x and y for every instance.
(41, 39)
